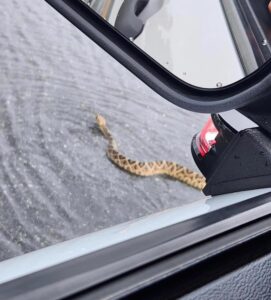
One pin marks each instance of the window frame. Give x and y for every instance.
(195, 251)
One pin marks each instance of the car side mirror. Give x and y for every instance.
(202, 57)
(208, 57)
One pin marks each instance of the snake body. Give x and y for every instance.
(161, 167)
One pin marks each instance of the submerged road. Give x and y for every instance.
(55, 180)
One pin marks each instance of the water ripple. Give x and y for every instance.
(55, 180)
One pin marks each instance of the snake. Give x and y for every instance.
(140, 168)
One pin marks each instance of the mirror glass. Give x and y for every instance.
(209, 44)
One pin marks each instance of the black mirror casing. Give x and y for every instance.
(246, 95)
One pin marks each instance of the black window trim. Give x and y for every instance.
(202, 241)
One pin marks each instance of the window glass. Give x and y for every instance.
(56, 182)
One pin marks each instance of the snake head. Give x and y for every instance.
(100, 121)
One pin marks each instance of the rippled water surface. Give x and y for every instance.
(55, 180)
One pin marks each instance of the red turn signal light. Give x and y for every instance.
(206, 138)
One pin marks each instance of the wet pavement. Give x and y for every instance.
(55, 180)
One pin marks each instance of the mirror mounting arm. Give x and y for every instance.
(260, 113)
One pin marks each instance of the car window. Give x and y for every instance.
(56, 182)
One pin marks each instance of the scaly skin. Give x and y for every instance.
(171, 169)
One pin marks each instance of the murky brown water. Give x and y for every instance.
(55, 180)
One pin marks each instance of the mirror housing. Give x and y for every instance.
(251, 95)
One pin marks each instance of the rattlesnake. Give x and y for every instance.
(171, 169)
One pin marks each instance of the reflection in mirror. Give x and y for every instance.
(209, 44)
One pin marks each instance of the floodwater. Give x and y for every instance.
(55, 180)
